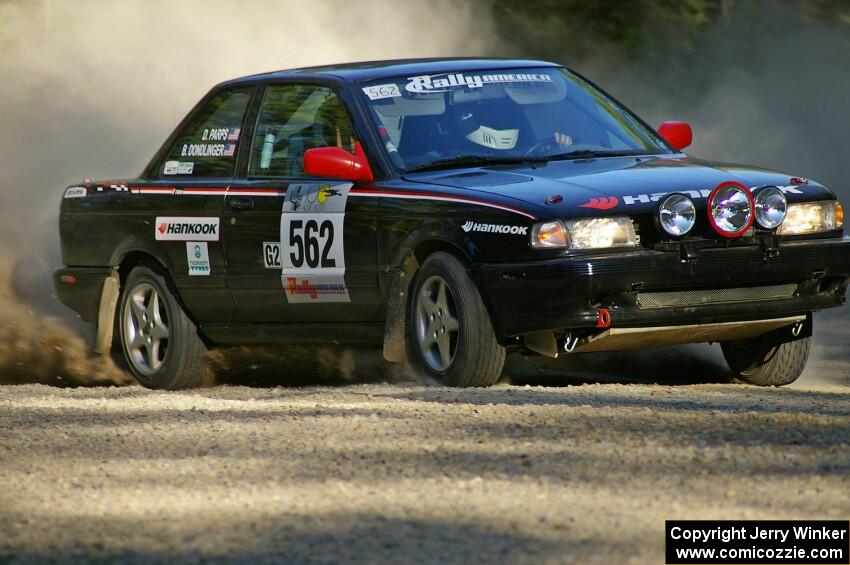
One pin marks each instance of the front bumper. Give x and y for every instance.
(567, 294)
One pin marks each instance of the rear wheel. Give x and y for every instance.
(767, 360)
(450, 335)
(160, 343)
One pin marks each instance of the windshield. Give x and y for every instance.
(430, 121)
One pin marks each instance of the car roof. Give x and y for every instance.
(373, 70)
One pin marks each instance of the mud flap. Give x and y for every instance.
(395, 325)
(106, 314)
(795, 332)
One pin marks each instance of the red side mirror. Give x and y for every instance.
(337, 163)
(677, 134)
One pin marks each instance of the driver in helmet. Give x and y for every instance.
(498, 126)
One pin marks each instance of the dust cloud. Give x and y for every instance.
(91, 88)
(35, 347)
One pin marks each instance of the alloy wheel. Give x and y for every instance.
(437, 327)
(146, 333)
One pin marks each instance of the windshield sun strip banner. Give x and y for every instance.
(445, 81)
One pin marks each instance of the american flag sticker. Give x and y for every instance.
(233, 134)
(229, 150)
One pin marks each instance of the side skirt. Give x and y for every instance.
(295, 333)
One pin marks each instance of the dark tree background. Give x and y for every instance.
(762, 81)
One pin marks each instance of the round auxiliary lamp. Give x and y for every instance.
(771, 206)
(676, 215)
(731, 209)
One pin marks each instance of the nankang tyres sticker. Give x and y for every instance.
(186, 229)
(198, 258)
(312, 251)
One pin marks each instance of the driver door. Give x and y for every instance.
(299, 249)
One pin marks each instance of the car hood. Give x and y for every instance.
(612, 185)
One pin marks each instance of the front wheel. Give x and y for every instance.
(160, 343)
(450, 334)
(767, 360)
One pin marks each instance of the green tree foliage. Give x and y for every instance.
(639, 29)
(620, 28)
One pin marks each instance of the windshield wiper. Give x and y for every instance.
(590, 153)
(470, 160)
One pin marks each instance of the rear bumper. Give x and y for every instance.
(568, 293)
(83, 294)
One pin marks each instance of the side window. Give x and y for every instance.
(206, 148)
(294, 118)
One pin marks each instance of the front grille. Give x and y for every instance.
(669, 299)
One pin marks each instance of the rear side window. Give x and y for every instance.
(206, 148)
(294, 118)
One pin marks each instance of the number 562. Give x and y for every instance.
(311, 243)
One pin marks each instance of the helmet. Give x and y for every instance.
(489, 127)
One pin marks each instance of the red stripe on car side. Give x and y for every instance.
(412, 195)
(438, 197)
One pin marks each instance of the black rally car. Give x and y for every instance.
(451, 210)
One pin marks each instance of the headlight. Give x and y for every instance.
(676, 214)
(730, 209)
(594, 233)
(771, 207)
(813, 217)
(586, 233)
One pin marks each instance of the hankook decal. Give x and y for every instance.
(608, 202)
(186, 229)
(494, 228)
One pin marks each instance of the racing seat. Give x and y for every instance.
(419, 136)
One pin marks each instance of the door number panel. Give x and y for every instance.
(312, 243)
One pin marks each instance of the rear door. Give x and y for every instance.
(181, 205)
(299, 249)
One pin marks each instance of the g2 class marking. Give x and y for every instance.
(271, 255)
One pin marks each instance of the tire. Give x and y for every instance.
(446, 303)
(160, 344)
(767, 360)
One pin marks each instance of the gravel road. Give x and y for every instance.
(586, 471)
(401, 472)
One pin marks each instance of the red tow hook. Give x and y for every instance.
(603, 319)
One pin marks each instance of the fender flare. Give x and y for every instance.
(134, 244)
(111, 291)
(402, 270)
